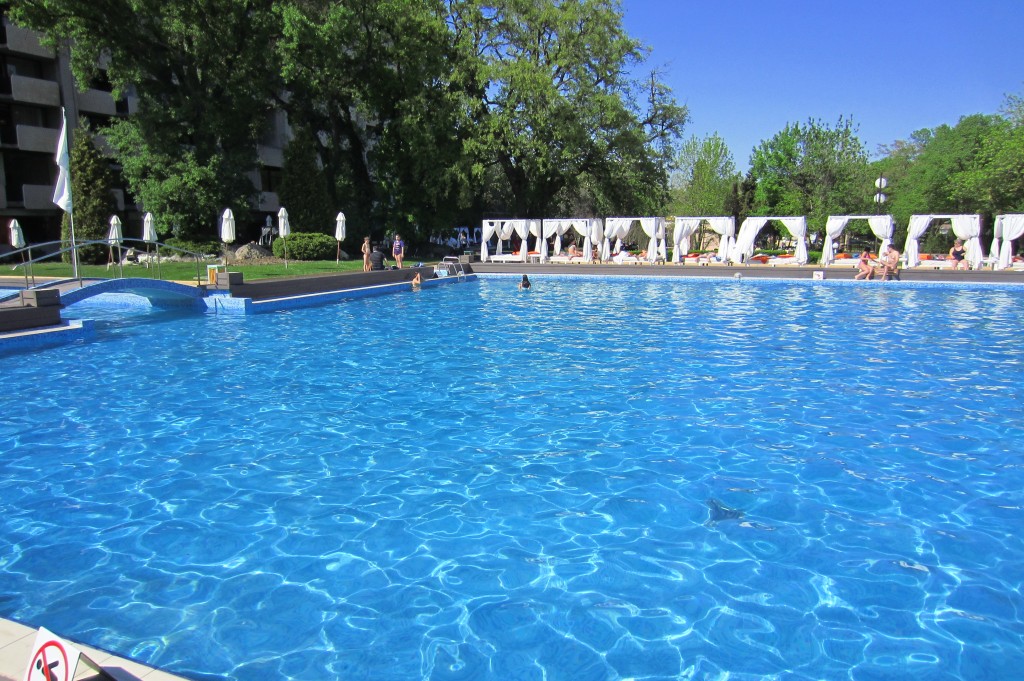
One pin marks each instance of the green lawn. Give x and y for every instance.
(184, 271)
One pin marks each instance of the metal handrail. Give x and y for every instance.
(27, 264)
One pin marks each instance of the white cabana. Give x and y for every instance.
(619, 227)
(966, 227)
(744, 246)
(556, 227)
(504, 229)
(881, 227)
(465, 237)
(1008, 228)
(725, 227)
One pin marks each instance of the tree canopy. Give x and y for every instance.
(811, 169)
(408, 108)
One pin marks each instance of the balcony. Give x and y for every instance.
(270, 156)
(33, 138)
(269, 202)
(38, 197)
(23, 41)
(35, 91)
(97, 102)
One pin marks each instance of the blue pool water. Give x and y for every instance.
(596, 479)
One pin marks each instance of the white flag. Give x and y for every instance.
(62, 192)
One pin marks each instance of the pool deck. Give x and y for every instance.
(16, 641)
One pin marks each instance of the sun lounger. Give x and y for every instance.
(506, 257)
(567, 259)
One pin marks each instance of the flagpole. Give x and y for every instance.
(74, 249)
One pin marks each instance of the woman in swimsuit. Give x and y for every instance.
(366, 254)
(865, 270)
(398, 250)
(958, 254)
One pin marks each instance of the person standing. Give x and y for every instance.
(398, 250)
(366, 253)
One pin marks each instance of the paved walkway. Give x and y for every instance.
(16, 642)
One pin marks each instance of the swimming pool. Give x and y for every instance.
(592, 480)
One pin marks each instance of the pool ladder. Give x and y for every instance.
(451, 263)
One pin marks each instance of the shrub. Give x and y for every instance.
(307, 246)
(201, 247)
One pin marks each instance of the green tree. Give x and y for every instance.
(994, 183)
(704, 180)
(812, 169)
(92, 185)
(205, 75)
(554, 111)
(304, 187)
(390, 121)
(947, 158)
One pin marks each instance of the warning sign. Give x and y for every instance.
(52, 659)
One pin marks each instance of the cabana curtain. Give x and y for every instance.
(966, 227)
(725, 228)
(684, 229)
(881, 226)
(744, 246)
(1012, 228)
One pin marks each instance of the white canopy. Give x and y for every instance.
(149, 229)
(619, 227)
(725, 227)
(744, 246)
(881, 227)
(556, 227)
(17, 236)
(115, 234)
(966, 227)
(227, 226)
(504, 229)
(284, 227)
(1008, 227)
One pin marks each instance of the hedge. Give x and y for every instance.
(307, 246)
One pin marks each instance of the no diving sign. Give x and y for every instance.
(52, 659)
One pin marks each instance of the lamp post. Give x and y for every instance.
(880, 197)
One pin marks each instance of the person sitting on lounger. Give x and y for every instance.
(891, 263)
(865, 270)
(574, 252)
(958, 254)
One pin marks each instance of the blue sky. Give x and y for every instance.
(746, 68)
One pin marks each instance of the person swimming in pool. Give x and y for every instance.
(524, 285)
